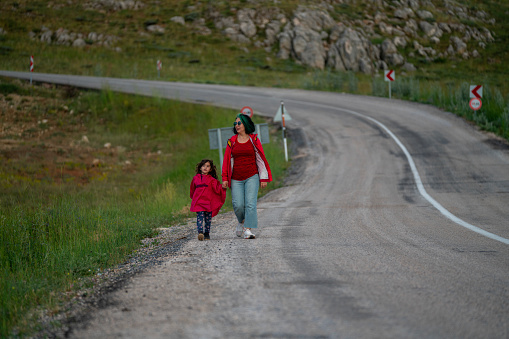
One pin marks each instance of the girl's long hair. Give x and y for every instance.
(213, 171)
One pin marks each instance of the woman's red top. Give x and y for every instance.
(244, 161)
(261, 161)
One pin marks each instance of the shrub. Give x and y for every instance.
(7, 88)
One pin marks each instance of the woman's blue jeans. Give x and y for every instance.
(244, 198)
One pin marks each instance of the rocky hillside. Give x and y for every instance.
(353, 35)
(386, 33)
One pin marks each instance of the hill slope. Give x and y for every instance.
(362, 36)
(437, 47)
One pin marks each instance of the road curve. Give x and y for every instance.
(351, 248)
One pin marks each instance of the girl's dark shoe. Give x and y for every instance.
(207, 236)
(200, 236)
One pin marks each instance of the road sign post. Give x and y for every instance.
(475, 104)
(220, 147)
(284, 136)
(246, 110)
(282, 115)
(31, 67)
(390, 76)
(159, 67)
(476, 91)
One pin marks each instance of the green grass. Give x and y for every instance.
(52, 235)
(493, 115)
(214, 59)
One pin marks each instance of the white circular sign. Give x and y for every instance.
(475, 103)
(246, 110)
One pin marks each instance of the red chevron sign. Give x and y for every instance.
(476, 91)
(390, 75)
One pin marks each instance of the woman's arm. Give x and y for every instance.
(226, 166)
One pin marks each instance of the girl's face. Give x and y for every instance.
(205, 168)
(239, 126)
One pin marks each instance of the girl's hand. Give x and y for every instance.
(225, 184)
(263, 184)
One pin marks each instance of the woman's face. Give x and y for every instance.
(239, 127)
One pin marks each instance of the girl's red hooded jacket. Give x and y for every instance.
(207, 194)
(261, 162)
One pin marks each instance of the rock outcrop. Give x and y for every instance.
(352, 52)
(384, 33)
(311, 36)
(64, 37)
(113, 5)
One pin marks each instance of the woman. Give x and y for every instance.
(245, 169)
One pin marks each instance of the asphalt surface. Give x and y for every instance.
(351, 247)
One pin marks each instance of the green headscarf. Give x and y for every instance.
(247, 122)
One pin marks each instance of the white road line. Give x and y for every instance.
(417, 177)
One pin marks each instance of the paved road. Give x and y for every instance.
(395, 225)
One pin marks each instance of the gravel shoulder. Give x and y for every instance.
(172, 271)
(177, 282)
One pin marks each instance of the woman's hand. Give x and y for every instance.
(263, 184)
(225, 184)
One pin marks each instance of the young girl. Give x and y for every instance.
(207, 196)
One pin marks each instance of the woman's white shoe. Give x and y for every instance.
(248, 234)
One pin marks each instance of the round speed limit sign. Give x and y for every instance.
(246, 110)
(475, 104)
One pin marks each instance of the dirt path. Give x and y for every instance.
(177, 297)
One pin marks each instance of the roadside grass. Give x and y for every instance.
(451, 95)
(55, 233)
(492, 117)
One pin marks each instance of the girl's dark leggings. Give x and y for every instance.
(200, 217)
